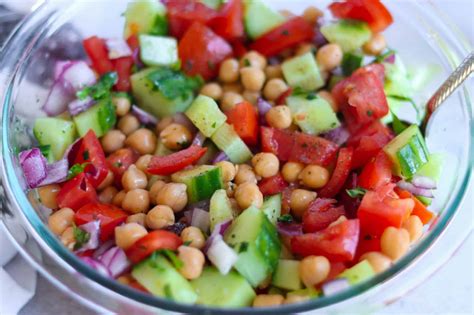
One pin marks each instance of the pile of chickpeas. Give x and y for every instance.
(154, 202)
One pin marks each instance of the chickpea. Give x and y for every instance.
(327, 96)
(414, 226)
(142, 140)
(67, 238)
(154, 189)
(133, 178)
(279, 117)
(48, 194)
(229, 100)
(122, 105)
(312, 14)
(252, 78)
(60, 220)
(314, 176)
(329, 56)
(194, 237)
(193, 262)
(245, 174)
(143, 162)
(136, 218)
(125, 279)
(305, 48)
(159, 217)
(251, 96)
(394, 242)
(126, 235)
(232, 87)
(113, 140)
(291, 171)
(295, 298)
(118, 199)
(300, 200)
(128, 124)
(175, 136)
(273, 72)
(265, 300)
(230, 189)
(253, 59)
(212, 90)
(229, 70)
(378, 261)
(108, 194)
(266, 164)
(228, 170)
(274, 88)
(313, 270)
(375, 45)
(248, 194)
(136, 200)
(108, 180)
(163, 123)
(173, 195)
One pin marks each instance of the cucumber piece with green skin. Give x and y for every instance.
(201, 181)
(358, 273)
(259, 18)
(256, 241)
(47, 152)
(100, 118)
(229, 141)
(287, 275)
(395, 105)
(302, 72)
(396, 79)
(160, 278)
(158, 50)
(216, 289)
(408, 152)
(432, 168)
(152, 100)
(220, 208)
(349, 34)
(145, 17)
(312, 114)
(272, 207)
(57, 133)
(206, 115)
(351, 62)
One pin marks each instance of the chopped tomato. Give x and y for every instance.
(169, 164)
(279, 142)
(350, 204)
(376, 173)
(123, 67)
(382, 208)
(152, 242)
(367, 243)
(228, 22)
(321, 212)
(371, 11)
(244, 118)
(109, 216)
(337, 243)
(336, 269)
(120, 161)
(76, 192)
(281, 100)
(239, 48)
(133, 42)
(339, 175)
(201, 51)
(98, 54)
(285, 199)
(419, 209)
(272, 185)
(182, 14)
(294, 31)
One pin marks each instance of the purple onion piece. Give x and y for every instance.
(201, 219)
(57, 100)
(71, 152)
(182, 119)
(143, 116)
(177, 227)
(78, 106)
(335, 286)
(319, 40)
(93, 228)
(289, 229)
(60, 66)
(56, 172)
(136, 58)
(423, 182)
(417, 191)
(219, 229)
(77, 76)
(203, 204)
(34, 166)
(199, 139)
(103, 248)
(115, 261)
(263, 107)
(117, 48)
(221, 156)
(97, 265)
(390, 59)
(221, 255)
(338, 135)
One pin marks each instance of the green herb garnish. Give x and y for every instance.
(75, 170)
(100, 89)
(243, 247)
(286, 218)
(397, 124)
(167, 291)
(80, 236)
(177, 263)
(173, 84)
(356, 192)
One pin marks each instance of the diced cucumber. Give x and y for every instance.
(349, 34)
(161, 149)
(47, 152)
(158, 50)
(420, 75)
(287, 275)
(302, 72)
(229, 141)
(100, 118)
(259, 18)
(272, 207)
(432, 169)
(145, 17)
(395, 105)
(425, 200)
(220, 208)
(351, 62)
(216, 289)
(396, 79)
(211, 152)
(152, 100)
(213, 4)
(59, 134)
(256, 240)
(311, 293)
(159, 277)
(201, 181)
(206, 115)
(408, 152)
(358, 273)
(314, 115)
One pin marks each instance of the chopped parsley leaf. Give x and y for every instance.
(81, 237)
(286, 218)
(356, 192)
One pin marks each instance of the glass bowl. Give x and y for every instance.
(420, 34)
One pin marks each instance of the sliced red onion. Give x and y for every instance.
(60, 66)
(71, 152)
(34, 166)
(117, 48)
(103, 248)
(423, 182)
(77, 76)
(57, 99)
(221, 156)
(201, 219)
(221, 255)
(78, 106)
(115, 261)
(319, 39)
(219, 229)
(56, 172)
(143, 116)
(289, 229)
(335, 286)
(181, 119)
(199, 139)
(338, 135)
(390, 59)
(93, 228)
(97, 265)
(136, 58)
(263, 107)
(417, 191)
